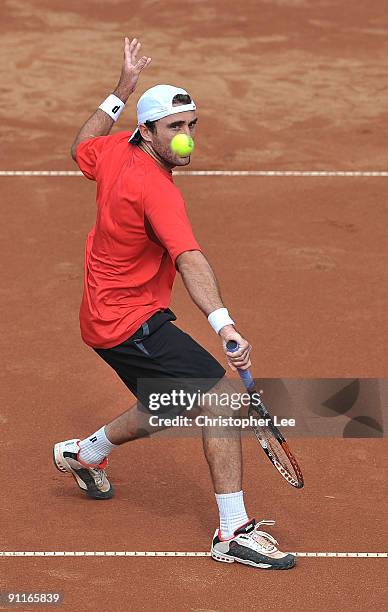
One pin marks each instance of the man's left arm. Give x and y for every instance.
(100, 123)
(202, 286)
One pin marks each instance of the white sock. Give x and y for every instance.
(95, 447)
(232, 513)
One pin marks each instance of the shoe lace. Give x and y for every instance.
(98, 475)
(263, 541)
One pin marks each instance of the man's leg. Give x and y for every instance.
(130, 425)
(238, 538)
(222, 444)
(222, 448)
(85, 460)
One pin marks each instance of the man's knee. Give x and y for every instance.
(223, 400)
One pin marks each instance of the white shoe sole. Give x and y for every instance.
(223, 558)
(217, 556)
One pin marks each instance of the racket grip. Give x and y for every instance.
(245, 375)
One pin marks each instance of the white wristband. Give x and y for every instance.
(112, 106)
(219, 318)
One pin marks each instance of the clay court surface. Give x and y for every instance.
(302, 261)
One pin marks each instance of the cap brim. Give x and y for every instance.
(135, 133)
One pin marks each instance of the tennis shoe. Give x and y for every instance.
(90, 478)
(251, 546)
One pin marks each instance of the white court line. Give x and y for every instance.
(109, 553)
(325, 173)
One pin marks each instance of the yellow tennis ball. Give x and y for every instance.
(182, 145)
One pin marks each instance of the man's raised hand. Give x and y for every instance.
(131, 69)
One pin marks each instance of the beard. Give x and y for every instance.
(168, 156)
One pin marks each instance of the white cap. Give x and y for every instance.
(156, 103)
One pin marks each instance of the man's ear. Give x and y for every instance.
(145, 133)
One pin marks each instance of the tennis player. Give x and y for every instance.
(142, 236)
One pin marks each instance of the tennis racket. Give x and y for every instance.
(271, 440)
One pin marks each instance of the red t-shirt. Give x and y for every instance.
(141, 228)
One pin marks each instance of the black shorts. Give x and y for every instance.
(160, 357)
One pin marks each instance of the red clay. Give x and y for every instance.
(302, 263)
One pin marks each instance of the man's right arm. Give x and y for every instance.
(100, 123)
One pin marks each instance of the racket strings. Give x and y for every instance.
(280, 457)
(274, 444)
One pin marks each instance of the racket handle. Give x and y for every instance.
(245, 375)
